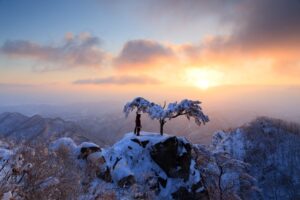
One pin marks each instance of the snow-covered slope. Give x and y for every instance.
(256, 161)
(5, 156)
(151, 166)
(272, 149)
(156, 165)
(144, 159)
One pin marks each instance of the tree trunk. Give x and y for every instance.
(138, 124)
(162, 123)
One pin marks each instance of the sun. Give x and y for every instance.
(204, 77)
(203, 84)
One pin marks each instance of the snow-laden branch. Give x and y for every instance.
(188, 108)
(139, 103)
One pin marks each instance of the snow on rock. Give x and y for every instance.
(173, 156)
(96, 158)
(7, 196)
(5, 156)
(164, 167)
(64, 143)
(81, 151)
(225, 177)
(87, 148)
(233, 144)
(271, 147)
(88, 145)
(163, 163)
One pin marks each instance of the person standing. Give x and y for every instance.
(138, 124)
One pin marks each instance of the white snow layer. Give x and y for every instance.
(127, 157)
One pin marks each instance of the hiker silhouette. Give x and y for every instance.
(138, 124)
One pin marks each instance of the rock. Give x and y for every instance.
(140, 195)
(183, 193)
(153, 164)
(126, 181)
(173, 156)
(162, 182)
(141, 143)
(105, 175)
(96, 159)
(153, 184)
(86, 148)
(7, 196)
(199, 192)
(210, 171)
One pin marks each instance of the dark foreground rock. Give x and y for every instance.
(173, 156)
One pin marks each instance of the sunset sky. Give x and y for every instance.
(97, 49)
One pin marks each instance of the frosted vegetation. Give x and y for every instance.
(188, 108)
(259, 160)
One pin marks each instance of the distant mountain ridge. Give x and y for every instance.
(18, 127)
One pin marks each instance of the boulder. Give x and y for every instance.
(87, 148)
(210, 171)
(96, 159)
(126, 181)
(141, 143)
(173, 155)
(184, 193)
(105, 174)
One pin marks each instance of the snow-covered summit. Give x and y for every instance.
(151, 166)
(160, 163)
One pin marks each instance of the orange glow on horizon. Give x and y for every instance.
(204, 78)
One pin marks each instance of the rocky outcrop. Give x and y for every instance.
(272, 148)
(172, 167)
(173, 156)
(162, 164)
(87, 148)
(224, 177)
(165, 167)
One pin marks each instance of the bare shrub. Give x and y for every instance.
(43, 174)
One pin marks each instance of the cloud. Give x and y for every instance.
(122, 80)
(254, 23)
(82, 50)
(265, 32)
(266, 24)
(271, 23)
(16, 85)
(143, 52)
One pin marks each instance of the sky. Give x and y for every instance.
(74, 50)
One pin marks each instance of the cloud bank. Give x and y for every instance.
(83, 50)
(263, 38)
(143, 52)
(121, 80)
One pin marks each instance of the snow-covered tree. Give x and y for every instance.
(188, 108)
(141, 105)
